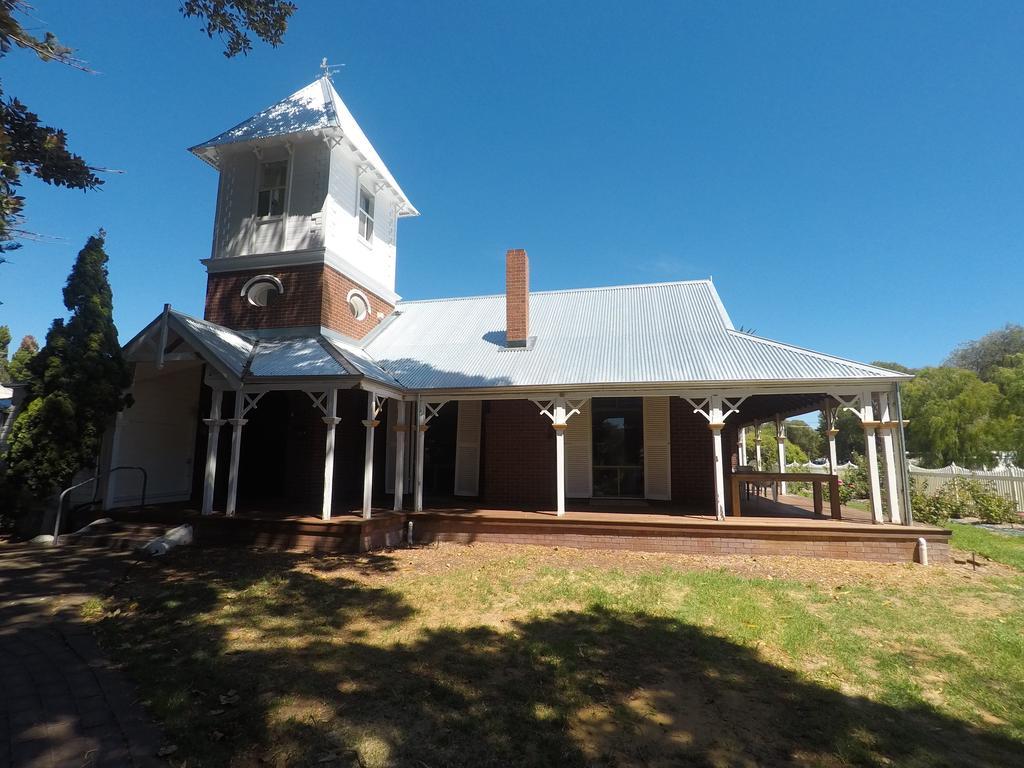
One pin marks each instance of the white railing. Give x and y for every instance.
(1007, 479)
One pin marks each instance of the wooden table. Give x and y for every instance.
(796, 477)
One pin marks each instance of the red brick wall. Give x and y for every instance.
(314, 294)
(518, 461)
(693, 457)
(517, 296)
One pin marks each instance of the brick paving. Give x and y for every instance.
(62, 703)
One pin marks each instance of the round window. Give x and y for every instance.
(358, 305)
(262, 290)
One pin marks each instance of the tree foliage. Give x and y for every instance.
(989, 352)
(770, 450)
(28, 146)
(18, 366)
(952, 417)
(76, 383)
(5, 343)
(267, 19)
(849, 435)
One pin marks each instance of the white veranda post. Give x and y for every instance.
(885, 427)
(716, 409)
(244, 403)
(742, 448)
(757, 447)
(831, 414)
(424, 413)
(559, 410)
(373, 407)
(780, 437)
(400, 430)
(861, 405)
(331, 419)
(213, 425)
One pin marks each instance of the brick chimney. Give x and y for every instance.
(517, 297)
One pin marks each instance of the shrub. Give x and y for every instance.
(961, 498)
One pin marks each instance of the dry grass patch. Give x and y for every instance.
(487, 655)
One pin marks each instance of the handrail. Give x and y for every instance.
(95, 479)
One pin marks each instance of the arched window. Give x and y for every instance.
(262, 290)
(358, 305)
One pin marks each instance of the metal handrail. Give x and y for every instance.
(95, 479)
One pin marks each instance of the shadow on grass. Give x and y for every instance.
(246, 668)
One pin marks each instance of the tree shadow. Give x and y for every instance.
(333, 673)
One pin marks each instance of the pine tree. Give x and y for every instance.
(76, 384)
(17, 368)
(5, 342)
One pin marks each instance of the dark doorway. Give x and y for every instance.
(618, 434)
(439, 452)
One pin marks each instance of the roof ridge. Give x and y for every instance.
(592, 289)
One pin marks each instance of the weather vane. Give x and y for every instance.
(328, 70)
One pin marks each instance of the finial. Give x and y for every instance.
(326, 70)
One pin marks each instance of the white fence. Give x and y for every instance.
(1007, 480)
(820, 468)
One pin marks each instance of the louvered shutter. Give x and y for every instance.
(579, 445)
(467, 448)
(657, 454)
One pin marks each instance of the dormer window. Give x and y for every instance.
(273, 185)
(365, 215)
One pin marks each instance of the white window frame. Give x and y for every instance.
(260, 189)
(365, 215)
(366, 302)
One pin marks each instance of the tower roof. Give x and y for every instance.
(317, 108)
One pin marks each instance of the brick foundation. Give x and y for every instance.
(681, 537)
(314, 295)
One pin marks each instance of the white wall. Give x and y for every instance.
(341, 222)
(237, 231)
(157, 433)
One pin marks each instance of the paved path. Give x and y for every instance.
(61, 702)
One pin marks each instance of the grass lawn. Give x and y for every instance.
(497, 656)
(994, 546)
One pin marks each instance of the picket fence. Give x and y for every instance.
(1007, 479)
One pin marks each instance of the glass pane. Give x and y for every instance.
(263, 206)
(365, 202)
(618, 446)
(276, 202)
(274, 175)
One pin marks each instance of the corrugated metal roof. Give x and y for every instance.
(294, 357)
(317, 106)
(230, 347)
(362, 362)
(666, 332)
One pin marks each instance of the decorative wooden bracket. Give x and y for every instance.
(319, 401)
(376, 406)
(716, 409)
(549, 408)
(249, 402)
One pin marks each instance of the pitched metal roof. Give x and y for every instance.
(663, 333)
(230, 347)
(675, 333)
(315, 107)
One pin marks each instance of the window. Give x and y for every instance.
(358, 305)
(262, 290)
(273, 184)
(618, 447)
(365, 215)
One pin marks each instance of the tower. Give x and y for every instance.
(305, 229)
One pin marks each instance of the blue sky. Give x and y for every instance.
(851, 174)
